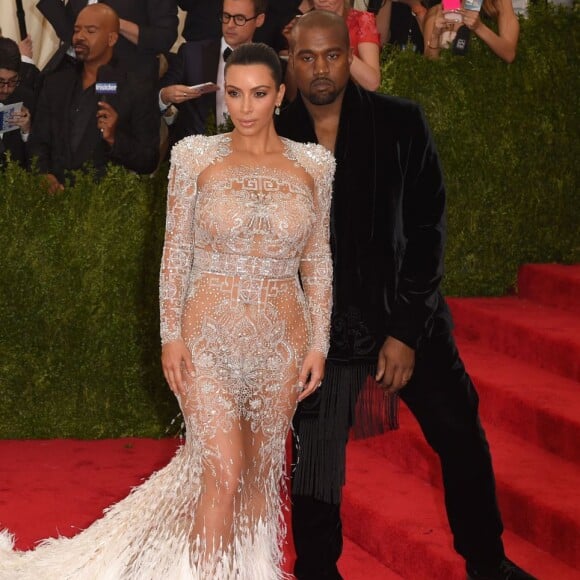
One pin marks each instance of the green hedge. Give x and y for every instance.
(508, 138)
(79, 347)
(79, 339)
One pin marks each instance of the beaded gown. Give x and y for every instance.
(246, 283)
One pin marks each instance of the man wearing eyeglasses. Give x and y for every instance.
(14, 141)
(203, 61)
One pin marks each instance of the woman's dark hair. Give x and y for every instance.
(257, 53)
(9, 55)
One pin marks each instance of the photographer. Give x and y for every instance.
(439, 32)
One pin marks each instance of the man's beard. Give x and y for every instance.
(322, 98)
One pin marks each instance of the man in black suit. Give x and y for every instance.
(389, 318)
(203, 61)
(147, 28)
(95, 112)
(12, 91)
(202, 20)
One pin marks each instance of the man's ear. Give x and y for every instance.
(113, 37)
(260, 20)
(350, 55)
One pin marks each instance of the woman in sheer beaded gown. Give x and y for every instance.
(245, 294)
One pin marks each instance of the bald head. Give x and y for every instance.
(96, 32)
(324, 21)
(103, 14)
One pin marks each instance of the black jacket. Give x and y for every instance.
(157, 21)
(196, 63)
(387, 223)
(136, 144)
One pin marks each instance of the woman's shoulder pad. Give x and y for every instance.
(197, 146)
(312, 152)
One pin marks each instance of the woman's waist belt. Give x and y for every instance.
(244, 266)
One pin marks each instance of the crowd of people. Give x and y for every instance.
(66, 124)
(245, 341)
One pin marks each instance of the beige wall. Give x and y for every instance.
(43, 38)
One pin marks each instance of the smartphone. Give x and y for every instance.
(205, 88)
(451, 10)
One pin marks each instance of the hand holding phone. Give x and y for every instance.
(205, 88)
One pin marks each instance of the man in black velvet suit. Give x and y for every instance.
(389, 318)
(77, 123)
(13, 91)
(147, 28)
(203, 61)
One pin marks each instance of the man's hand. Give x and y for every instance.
(21, 119)
(395, 365)
(176, 94)
(52, 183)
(107, 119)
(25, 47)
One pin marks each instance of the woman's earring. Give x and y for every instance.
(277, 110)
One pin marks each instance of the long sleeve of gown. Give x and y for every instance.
(178, 247)
(316, 260)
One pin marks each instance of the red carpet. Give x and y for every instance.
(524, 356)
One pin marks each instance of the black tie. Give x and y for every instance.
(227, 53)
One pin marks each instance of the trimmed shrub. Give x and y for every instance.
(508, 139)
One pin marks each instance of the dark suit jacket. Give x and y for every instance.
(196, 62)
(157, 21)
(201, 21)
(12, 141)
(387, 224)
(136, 144)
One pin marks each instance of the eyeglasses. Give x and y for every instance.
(10, 83)
(239, 19)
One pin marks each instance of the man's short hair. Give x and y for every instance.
(260, 6)
(9, 55)
(321, 19)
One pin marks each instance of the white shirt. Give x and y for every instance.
(221, 109)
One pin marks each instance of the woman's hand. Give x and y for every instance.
(176, 363)
(311, 374)
(471, 19)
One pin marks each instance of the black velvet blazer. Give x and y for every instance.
(387, 224)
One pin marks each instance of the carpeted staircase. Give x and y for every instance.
(523, 354)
